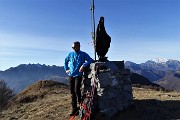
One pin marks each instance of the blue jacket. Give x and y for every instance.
(76, 60)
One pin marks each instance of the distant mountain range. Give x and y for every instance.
(161, 71)
(165, 73)
(23, 75)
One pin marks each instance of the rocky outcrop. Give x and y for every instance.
(113, 90)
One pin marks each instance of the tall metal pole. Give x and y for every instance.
(93, 24)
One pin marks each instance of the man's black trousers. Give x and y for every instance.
(75, 88)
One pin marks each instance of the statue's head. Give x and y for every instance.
(101, 21)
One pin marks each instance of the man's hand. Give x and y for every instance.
(81, 68)
(67, 71)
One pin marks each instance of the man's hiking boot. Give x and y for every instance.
(74, 112)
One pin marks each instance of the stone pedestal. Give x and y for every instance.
(113, 86)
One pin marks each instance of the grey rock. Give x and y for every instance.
(113, 86)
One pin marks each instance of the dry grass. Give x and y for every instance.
(152, 105)
(44, 100)
(148, 105)
(52, 106)
(141, 93)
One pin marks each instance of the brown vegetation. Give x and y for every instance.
(5, 94)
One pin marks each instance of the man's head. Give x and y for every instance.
(76, 46)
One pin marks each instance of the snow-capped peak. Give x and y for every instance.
(160, 60)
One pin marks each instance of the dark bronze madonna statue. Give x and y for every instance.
(102, 41)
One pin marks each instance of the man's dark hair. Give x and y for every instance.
(77, 43)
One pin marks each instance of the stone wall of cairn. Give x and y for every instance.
(113, 89)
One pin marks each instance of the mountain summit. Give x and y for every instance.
(160, 60)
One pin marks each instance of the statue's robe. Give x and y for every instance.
(102, 40)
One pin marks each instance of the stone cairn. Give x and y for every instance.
(113, 89)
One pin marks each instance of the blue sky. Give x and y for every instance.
(42, 31)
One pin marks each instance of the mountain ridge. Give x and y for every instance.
(23, 75)
(155, 71)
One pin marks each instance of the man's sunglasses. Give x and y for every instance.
(74, 48)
